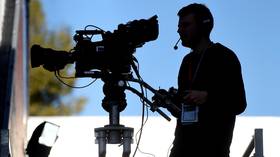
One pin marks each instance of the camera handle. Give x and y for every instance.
(153, 106)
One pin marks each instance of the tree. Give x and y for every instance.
(48, 96)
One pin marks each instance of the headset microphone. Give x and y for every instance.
(176, 47)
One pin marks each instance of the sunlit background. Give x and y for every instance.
(249, 28)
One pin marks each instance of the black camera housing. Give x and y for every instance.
(114, 53)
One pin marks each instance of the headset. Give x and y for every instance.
(205, 23)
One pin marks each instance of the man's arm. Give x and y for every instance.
(226, 89)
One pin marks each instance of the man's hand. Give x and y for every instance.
(160, 100)
(195, 97)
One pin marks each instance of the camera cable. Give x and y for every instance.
(58, 76)
(144, 106)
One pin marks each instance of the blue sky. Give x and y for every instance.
(249, 28)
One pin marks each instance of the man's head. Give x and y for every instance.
(195, 22)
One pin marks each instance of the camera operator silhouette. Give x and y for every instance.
(210, 89)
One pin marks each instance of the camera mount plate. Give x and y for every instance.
(114, 134)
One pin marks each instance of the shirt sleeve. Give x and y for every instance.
(226, 88)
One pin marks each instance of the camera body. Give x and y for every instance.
(114, 53)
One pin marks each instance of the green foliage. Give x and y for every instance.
(47, 94)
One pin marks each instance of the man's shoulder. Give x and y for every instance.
(218, 47)
(222, 51)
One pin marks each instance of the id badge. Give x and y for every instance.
(189, 114)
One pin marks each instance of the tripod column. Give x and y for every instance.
(114, 114)
(114, 135)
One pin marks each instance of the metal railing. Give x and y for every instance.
(257, 143)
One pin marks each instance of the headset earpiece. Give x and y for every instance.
(206, 21)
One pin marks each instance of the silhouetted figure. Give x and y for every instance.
(210, 82)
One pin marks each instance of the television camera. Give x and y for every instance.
(111, 60)
(113, 54)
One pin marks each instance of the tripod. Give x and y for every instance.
(114, 102)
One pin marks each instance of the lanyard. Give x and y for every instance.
(192, 78)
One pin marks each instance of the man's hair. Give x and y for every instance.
(202, 15)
